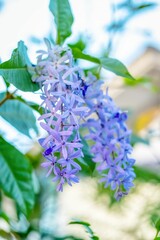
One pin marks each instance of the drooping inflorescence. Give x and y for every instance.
(110, 139)
(63, 110)
(69, 102)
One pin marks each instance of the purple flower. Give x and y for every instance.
(51, 163)
(69, 162)
(63, 176)
(110, 136)
(70, 102)
(63, 110)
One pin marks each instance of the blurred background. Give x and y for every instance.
(129, 31)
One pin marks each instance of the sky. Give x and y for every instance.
(23, 19)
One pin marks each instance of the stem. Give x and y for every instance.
(156, 234)
(58, 41)
(8, 96)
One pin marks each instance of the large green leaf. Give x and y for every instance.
(16, 178)
(77, 53)
(63, 18)
(15, 70)
(2, 95)
(111, 64)
(19, 115)
(116, 67)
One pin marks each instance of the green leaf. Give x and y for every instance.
(158, 225)
(48, 206)
(144, 6)
(146, 175)
(87, 227)
(77, 53)
(15, 70)
(16, 178)
(19, 115)
(4, 216)
(132, 7)
(87, 159)
(80, 44)
(137, 139)
(63, 18)
(116, 67)
(31, 104)
(2, 95)
(110, 64)
(157, 238)
(94, 70)
(6, 235)
(138, 81)
(80, 222)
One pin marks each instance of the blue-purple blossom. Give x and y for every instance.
(63, 110)
(107, 129)
(70, 102)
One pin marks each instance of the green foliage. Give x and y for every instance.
(31, 104)
(63, 18)
(94, 70)
(138, 81)
(131, 6)
(6, 235)
(116, 67)
(2, 95)
(4, 216)
(144, 6)
(80, 44)
(158, 225)
(15, 70)
(137, 139)
(19, 115)
(77, 53)
(16, 178)
(48, 207)
(87, 227)
(86, 162)
(111, 64)
(146, 175)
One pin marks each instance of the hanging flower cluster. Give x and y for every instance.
(111, 139)
(70, 102)
(63, 110)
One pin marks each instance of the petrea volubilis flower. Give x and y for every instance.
(111, 137)
(70, 102)
(63, 111)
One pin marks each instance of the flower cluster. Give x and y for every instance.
(70, 102)
(110, 137)
(63, 111)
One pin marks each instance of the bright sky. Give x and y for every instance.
(21, 19)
